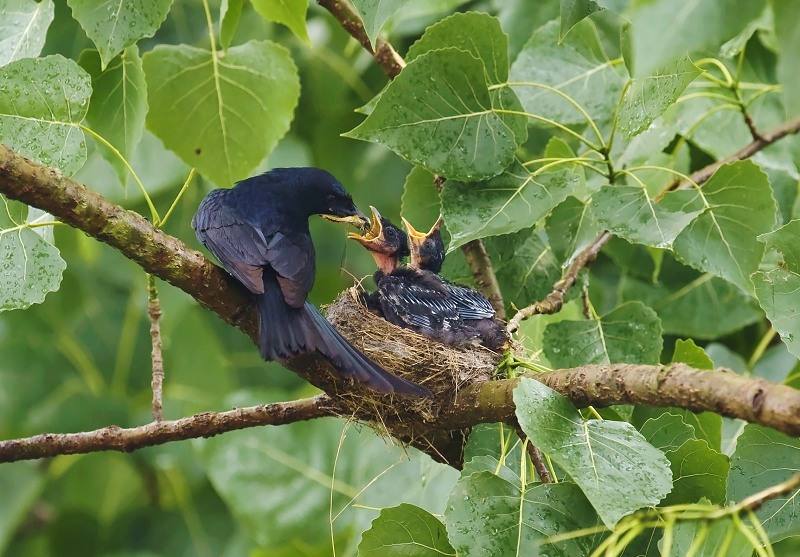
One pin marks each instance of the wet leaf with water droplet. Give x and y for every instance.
(114, 25)
(42, 101)
(612, 463)
(23, 28)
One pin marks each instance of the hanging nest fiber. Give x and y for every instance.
(440, 368)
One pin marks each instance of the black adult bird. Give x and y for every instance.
(427, 253)
(410, 297)
(259, 232)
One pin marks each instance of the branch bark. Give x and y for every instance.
(555, 299)
(392, 63)
(384, 53)
(207, 424)
(735, 396)
(156, 356)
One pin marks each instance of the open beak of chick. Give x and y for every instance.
(417, 239)
(373, 237)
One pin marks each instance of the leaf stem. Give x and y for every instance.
(563, 95)
(175, 201)
(553, 123)
(153, 211)
(761, 347)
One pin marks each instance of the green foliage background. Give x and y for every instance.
(286, 86)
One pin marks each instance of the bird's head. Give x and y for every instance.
(426, 248)
(325, 196)
(386, 243)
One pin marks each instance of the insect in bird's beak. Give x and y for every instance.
(358, 220)
(373, 233)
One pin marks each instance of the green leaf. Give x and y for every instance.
(617, 469)
(375, 13)
(481, 35)
(291, 13)
(786, 16)
(20, 483)
(30, 266)
(631, 333)
(477, 33)
(274, 480)
(497, 441)
(490, 464)
(697, 471)
(648, 97)
(42, 101)
(720, 533)
(114, 25)
(119, 104)
(578, 67)
(438, 113)
(688, 302)
(571, 227)
(405, 531)
(660, 33)
(222, 115)
(23, 28)
(573, 12)
(764, 458)
(737, 206)
(687, 352)
(420, 201)
(629, 212)
(505, 204)
(777, 283)
(667, 432)
(524, 264)
(489, 517)
(230, 12)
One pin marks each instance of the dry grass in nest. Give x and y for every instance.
(440, 368)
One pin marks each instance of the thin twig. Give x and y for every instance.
(157, 381)
(207, 424)
(536, 456)
(755, 501)
(385, 55)
(553, 302)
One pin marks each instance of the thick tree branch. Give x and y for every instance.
(391, 62)
(555, 299)
(207, 424)
(735, 396)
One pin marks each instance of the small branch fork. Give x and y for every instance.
(392, 63)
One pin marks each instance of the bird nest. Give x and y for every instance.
(440, 368)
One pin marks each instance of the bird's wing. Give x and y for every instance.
(291, 256)
(471, 304)
(245, 250)
(418, 305)
(238, 246)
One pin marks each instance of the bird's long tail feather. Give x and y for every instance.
(286, 331)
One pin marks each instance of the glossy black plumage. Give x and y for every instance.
(259, 231)
(427, 254)
(417, 298)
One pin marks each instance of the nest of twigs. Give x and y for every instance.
(440, 368)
